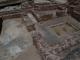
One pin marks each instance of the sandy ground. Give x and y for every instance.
(30, 54)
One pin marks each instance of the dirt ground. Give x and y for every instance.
(30, 54)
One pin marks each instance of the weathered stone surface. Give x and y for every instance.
(55, 47)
